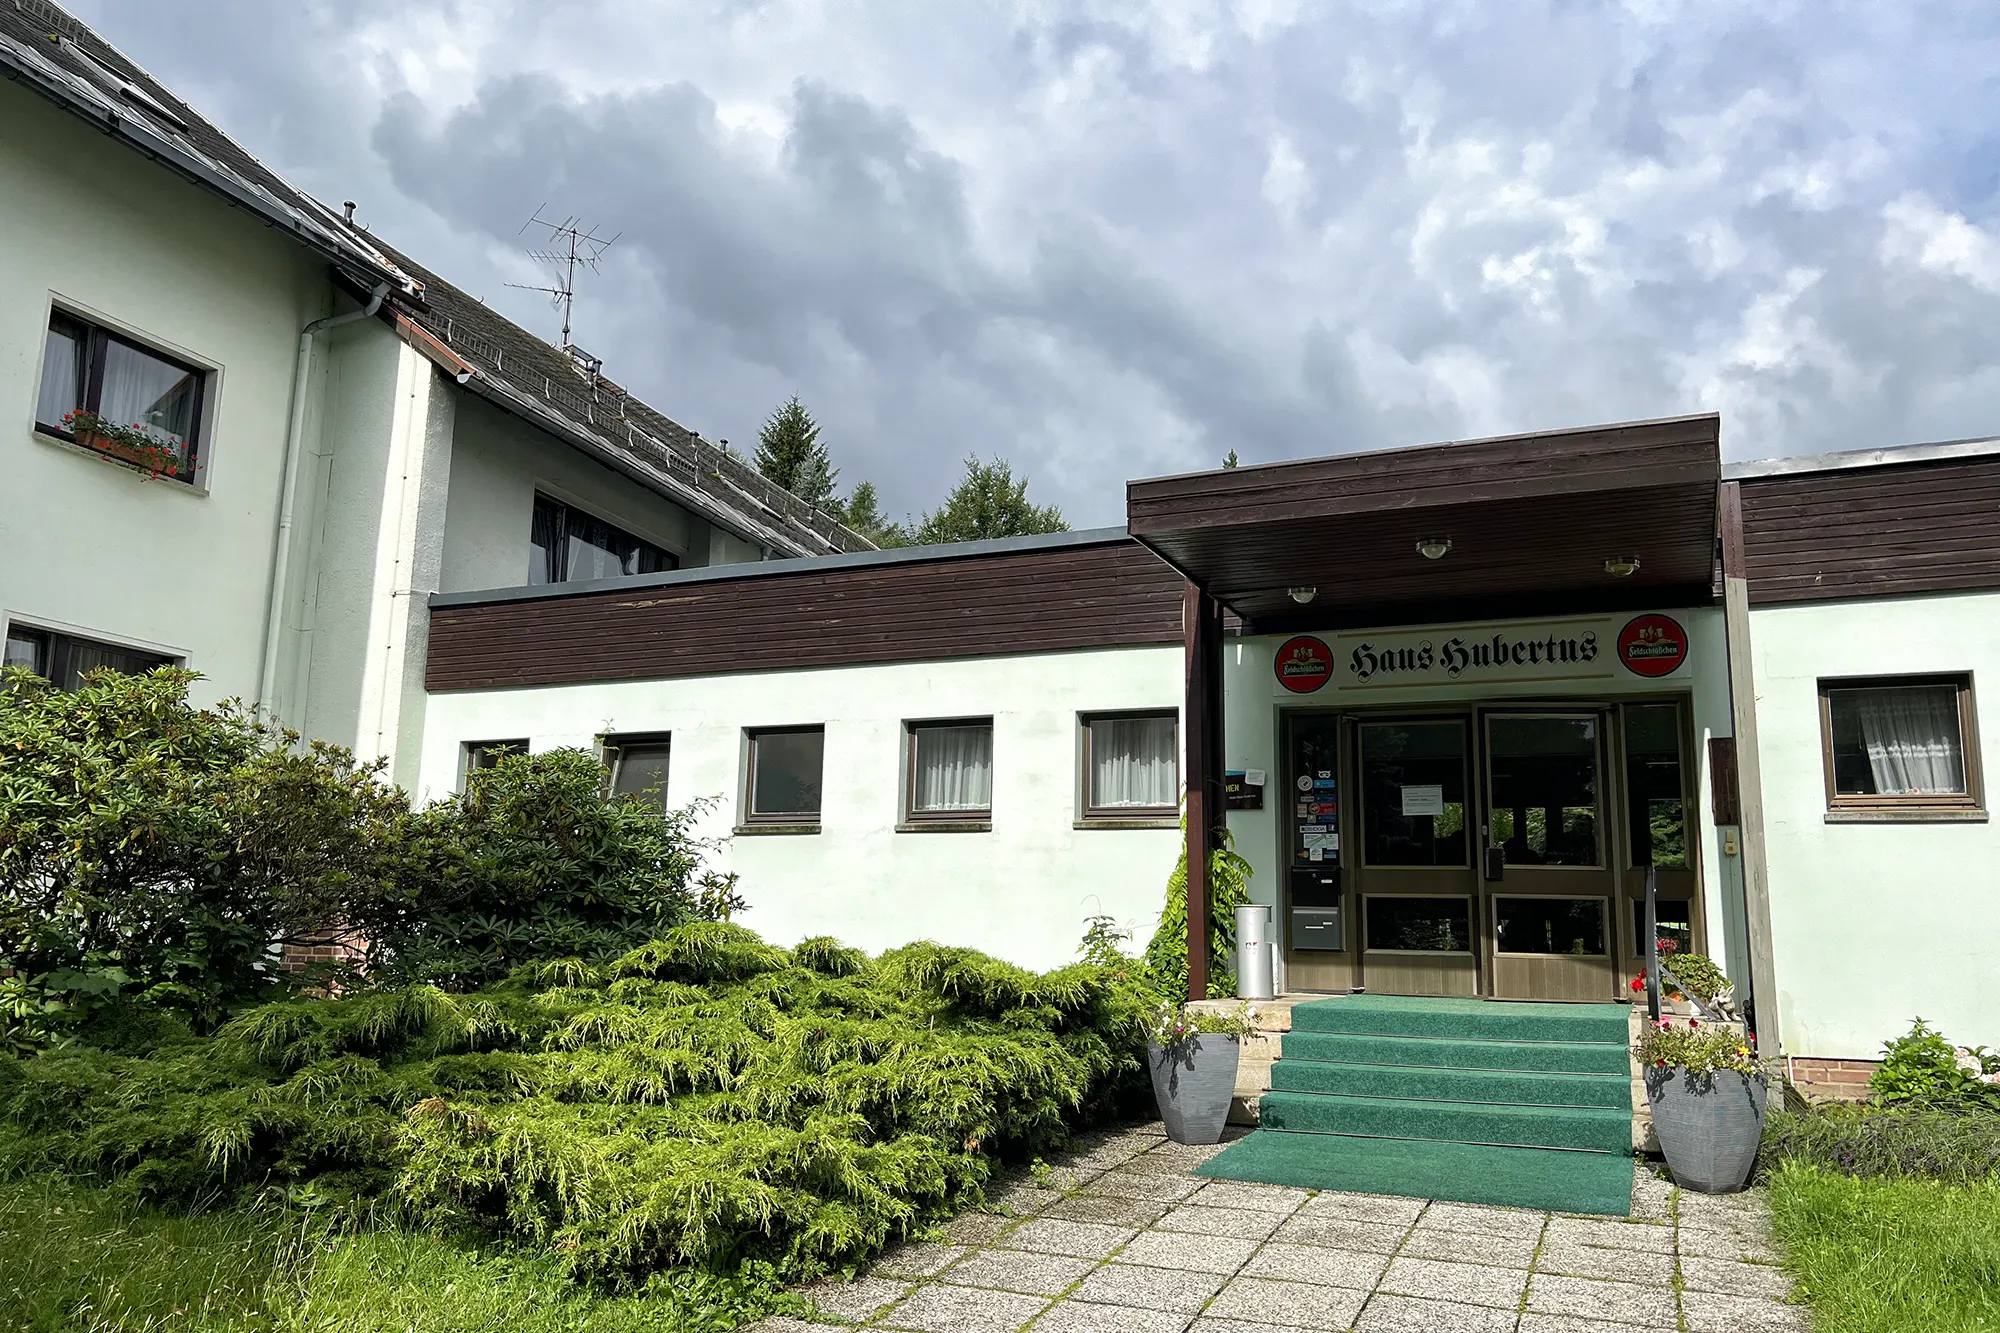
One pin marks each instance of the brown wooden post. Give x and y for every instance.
(1201, 625)
(1749, 772)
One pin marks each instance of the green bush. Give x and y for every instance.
(154, 857)
(534, 860)
(1864, 1140)
(1925, 1068)
(155, 850)
(705, 1101)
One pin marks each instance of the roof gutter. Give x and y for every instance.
(295, 438)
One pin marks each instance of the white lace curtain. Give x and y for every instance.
(1911, 735)
(954, 768)
(1133, 763)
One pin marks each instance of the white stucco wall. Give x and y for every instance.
(1021, 892)
(91, 545)
(1874, 924)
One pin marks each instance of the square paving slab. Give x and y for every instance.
(1121, 1236)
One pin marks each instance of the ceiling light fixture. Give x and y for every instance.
(1433, 548)
(1302, 595)
(1622, 566)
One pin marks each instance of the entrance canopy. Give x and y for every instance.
(1527, 523)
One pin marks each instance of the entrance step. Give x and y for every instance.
(1494, 1086)
(1555, 1057)
(1463, 1019)
(1570, 1182)
(1484, 1102)
(1583, 1128)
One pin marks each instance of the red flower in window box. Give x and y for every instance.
(131, 444)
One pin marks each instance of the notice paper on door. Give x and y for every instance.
(1322, 842)
(1424, 800)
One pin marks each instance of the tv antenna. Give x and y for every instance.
(571, 246)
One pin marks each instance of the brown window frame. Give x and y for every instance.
(1097, 814)
(790, 819)
(611, 752)
(1970, 801)
(58, 648)
(978, 819)
(95, 341)
(475, 752)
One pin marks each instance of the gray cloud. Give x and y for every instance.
(1108, 239)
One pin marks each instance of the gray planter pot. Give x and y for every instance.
(1193, 1081)
(1708, 1124)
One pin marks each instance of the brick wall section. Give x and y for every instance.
(336, 946)
(1831, 1080)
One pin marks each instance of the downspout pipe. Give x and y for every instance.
(295, 443)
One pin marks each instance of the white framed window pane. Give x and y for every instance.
(1897, 740)
(143, 391)
(953, 768)
(28, 650)
(62, 376)
(641, 771)
(1133, 763)
(786, 772)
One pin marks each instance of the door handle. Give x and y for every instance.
(1496, 861)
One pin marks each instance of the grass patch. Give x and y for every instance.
(81, 1260)
(1889, 1255)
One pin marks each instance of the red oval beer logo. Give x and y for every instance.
(1304, 664)
(1652, 645)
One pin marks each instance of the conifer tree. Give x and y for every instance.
(989, 502)
(789, 453)
(863, 513)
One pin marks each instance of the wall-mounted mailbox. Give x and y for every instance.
(1317, 928)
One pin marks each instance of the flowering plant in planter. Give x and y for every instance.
(1193, 1054)
(1696, 1047)
(134, 443)
(1173, 1023)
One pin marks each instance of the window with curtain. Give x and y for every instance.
(101, 390)
(638, 768)
(1132, 765)
(565, 544)
(62, 659)
(950, 770)
(783, 783)
(1901, 742)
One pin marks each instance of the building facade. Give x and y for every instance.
(1455, 705)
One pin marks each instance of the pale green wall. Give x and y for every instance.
(91, 545)
(1875, 924)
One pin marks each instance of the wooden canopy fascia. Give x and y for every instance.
(1531, 518)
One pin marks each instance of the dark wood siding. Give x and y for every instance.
(1023, 602)
(1531, 518)
(1873, 531)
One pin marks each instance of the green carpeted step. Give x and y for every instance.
(1444, 1053)
(1463, 1019)
(1453, 1085)
(1569, 1182)
(1586, 1128)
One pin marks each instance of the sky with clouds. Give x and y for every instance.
(1106, 240)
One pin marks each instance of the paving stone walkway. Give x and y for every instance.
(1121, 1237)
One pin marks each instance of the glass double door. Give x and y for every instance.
(1486, 861)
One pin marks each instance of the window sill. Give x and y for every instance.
(774, 830)
(70, 446)
(1910, 815)
(946, 826)
(1172, 821)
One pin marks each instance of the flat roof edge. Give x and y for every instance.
(814, 564)
(1889, 456)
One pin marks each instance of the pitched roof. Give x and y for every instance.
(523, 375)
(55, 55)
